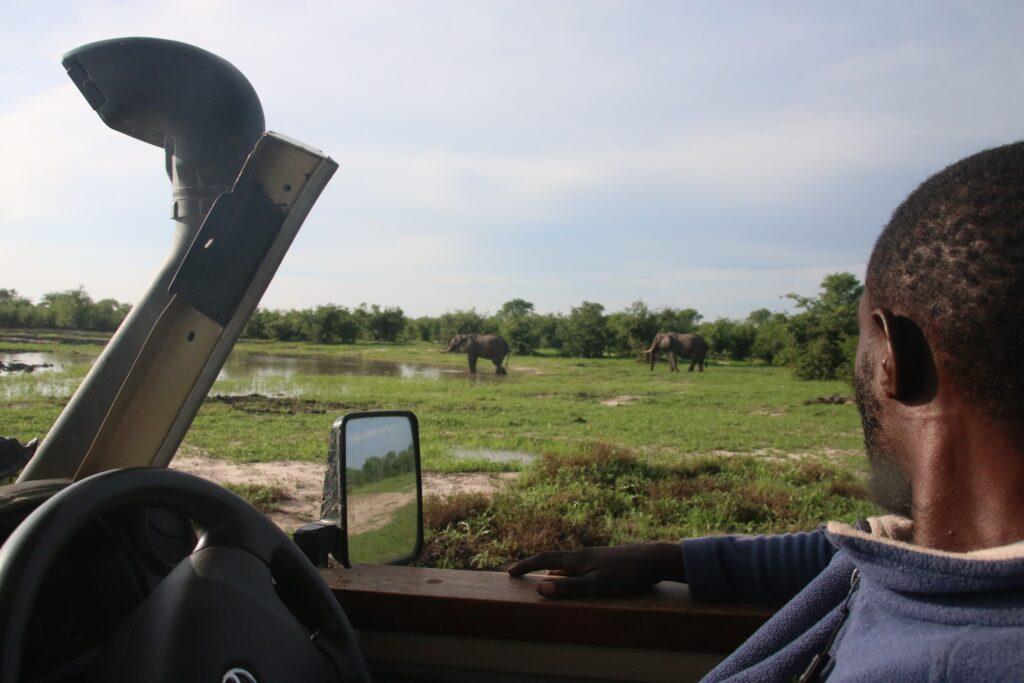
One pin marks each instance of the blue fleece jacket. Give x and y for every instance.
(915, 614)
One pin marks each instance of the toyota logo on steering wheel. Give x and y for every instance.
(238, 675)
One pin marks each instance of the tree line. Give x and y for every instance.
(72, 309)
(379, 467)
(818, 339)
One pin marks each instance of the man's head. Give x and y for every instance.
(943, 314)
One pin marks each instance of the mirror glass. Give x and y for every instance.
(381, 489)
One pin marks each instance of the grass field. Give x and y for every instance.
(393, 541)
(627, 453)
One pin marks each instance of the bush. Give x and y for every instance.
(586, 331)
(290, 326)
(333, 325)
(72, 309)
(424, 328)
(516, 308)
(521, 334)
(820, 358)
(773, 340)
(262, 497)
(825, 333)
(15, 310)
(606, 495)
(381, 324)
(677, 320)
(550, 328)
(464, 322)
(632, 329)
(729, 338)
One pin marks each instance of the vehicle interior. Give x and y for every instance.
(114, 567)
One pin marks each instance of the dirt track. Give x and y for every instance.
(303, 481)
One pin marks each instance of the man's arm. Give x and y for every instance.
(614, 571)
(765, 569)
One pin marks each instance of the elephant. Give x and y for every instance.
(489, 346)
(690, 346)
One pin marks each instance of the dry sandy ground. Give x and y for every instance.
(374, 510)
(616, 401)
(304, 483)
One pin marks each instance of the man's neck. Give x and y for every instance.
(968, 487)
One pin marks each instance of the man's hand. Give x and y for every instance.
(593, 572)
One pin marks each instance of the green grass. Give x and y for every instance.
(732, 449)
(394, 541)
(548, 405)
(401, 482)
(263, 498)
(609, 496)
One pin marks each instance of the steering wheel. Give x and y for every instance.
(246, 605)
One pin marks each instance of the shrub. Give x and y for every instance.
(825, 333)
(729, 338)
(381, 324)
(263, 498)
(632, 329)
(440, 512)
(72, 309)
(586, 331)
(819, 358)
(521, 334)
(550, 328)
(464, 322)
(677, 320)
(333, 325)
(605, 495)
(773, 340)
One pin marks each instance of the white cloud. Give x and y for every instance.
(59, 159)
(522, 149)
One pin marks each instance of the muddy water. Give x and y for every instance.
(250, 366)
(243, 374)
(55, 362)
(47, 382)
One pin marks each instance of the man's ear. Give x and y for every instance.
(908, 372)
(889, 377)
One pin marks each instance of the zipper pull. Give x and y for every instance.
(812, 672)
(821, 660)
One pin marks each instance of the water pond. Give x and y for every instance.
(244, 373)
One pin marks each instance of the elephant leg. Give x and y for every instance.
(472, 363)
(693, 362)
(673, 365)
(654, 358)
(498, 370)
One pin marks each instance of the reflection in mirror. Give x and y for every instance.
(381, 489)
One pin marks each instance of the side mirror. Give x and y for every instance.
(373, 489)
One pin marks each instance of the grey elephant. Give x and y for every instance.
(489, 346)
(677, 344)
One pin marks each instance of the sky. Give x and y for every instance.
(714, 155)
(374, 437)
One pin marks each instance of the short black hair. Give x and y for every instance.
(952, 258)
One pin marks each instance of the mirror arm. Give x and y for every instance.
(318, 539)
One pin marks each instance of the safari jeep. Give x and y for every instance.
(114, 567)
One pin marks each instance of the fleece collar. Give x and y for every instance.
(886, 557)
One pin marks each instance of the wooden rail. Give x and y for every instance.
(493, 605)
